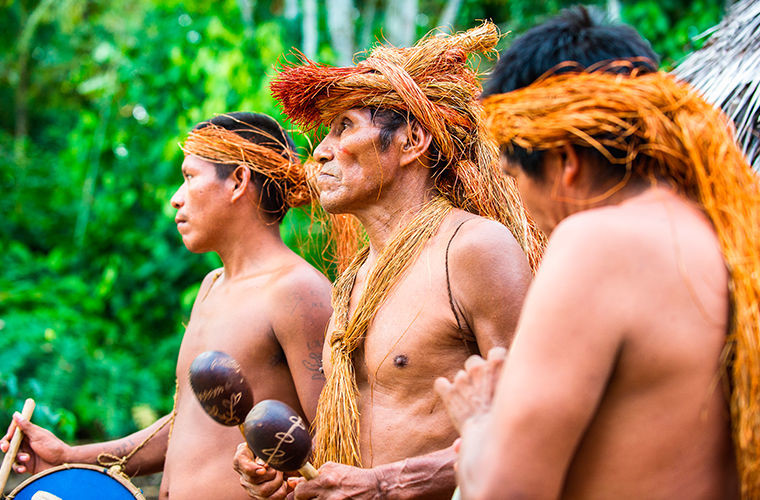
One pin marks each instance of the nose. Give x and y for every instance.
(324, 151)
(178, 198)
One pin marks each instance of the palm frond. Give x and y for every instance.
(727, 72)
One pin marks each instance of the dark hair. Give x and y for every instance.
(265, 131)
(576, 35)
(390, 120)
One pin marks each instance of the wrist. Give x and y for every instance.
(387, 480)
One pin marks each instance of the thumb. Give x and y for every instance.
(30, 430)
(25, 425)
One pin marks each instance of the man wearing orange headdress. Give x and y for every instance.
(266, 307)
(440, 278)
(636, 352)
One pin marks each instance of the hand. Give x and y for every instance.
(258, 479)
(471, 393)
(337, 481)
(39, 449)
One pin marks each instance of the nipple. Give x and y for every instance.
(401, 360)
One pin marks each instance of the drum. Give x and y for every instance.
(77, 482)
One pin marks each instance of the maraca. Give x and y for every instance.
(277, 434)
(218, 383)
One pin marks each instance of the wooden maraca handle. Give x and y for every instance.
(308, 471)
(10, 455)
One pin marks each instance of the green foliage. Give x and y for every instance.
(673, 26)
(94, 98)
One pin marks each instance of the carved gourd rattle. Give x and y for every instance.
(221, 388)
(272, 429)
(278, 435)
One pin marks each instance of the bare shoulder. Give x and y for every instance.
(301, 295)
(489, 278)
(654, 236)
(600, 243)
(299, 280)
(483, 243)
(208, 282)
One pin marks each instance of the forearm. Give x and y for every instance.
(427, 476)
(147, 460)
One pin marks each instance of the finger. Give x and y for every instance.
(22, 423)
(473, 362)
(22, 457)
(243, 450)
(270, 488)
(282, 491)
(263, 467)
(442, 386)
(294, 481)
(497, 353)
(461, 377)
(6, 440)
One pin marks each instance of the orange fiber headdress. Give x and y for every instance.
(432, 82)
(278, 164)
(666, 131)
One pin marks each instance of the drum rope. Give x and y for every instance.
(111, 461)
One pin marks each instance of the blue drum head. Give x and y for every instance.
(77, 483)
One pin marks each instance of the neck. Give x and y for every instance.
(385, 218)
(250, 248)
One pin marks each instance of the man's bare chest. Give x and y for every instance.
(412, 332)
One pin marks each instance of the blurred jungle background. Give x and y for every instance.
(95, 284)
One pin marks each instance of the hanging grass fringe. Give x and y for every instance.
(432, 83)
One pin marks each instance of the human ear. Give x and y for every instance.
(416, 142)
(570, 164)
(241, 177)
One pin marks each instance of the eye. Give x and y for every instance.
(341, 125)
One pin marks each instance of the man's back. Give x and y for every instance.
(630, 311)
(267, 321)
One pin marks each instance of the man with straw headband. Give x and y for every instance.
(407, 156)
(266, 307)
(642, 323)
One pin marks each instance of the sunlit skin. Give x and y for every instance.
(612, 387)
(266, 307)
(405, 435)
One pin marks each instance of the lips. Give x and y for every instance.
(180, 222)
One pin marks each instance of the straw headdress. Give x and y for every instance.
(271, 157)
(665, 131)
(433, 84)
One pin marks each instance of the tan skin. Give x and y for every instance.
(266, 307)
(611, 388)
(405, 434)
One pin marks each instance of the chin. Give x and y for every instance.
(193, 246)
(332, 204)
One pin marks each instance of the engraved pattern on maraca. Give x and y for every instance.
(274, 454)
(225, 362)
(226, 416)
(215, 392)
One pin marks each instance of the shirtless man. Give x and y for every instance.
(460, 294)
(266, 307)
(612, 387)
